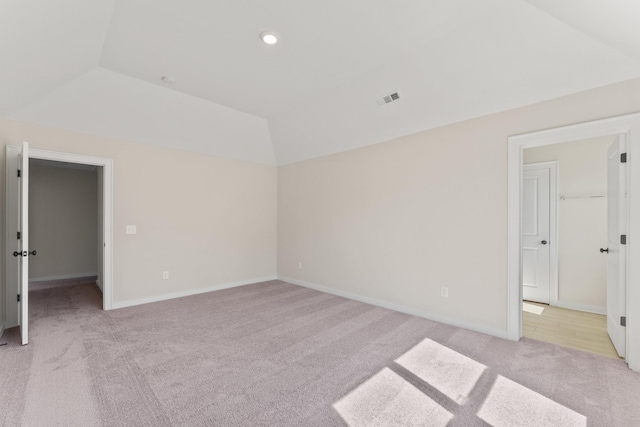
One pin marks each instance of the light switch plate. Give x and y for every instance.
(131, 229)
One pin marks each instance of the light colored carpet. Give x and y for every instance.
(275, 354)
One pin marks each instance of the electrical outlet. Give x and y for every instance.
(299, 265)
(165, 275)
(444, 292)
(131, 229)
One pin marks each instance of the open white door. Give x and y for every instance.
(24, 243)
(616, 258)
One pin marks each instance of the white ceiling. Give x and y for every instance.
(44, 44)
(96, 66)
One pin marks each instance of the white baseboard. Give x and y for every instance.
(401, 308)
(582, 307)
(164, 297)
(62, 277)
(99, 283)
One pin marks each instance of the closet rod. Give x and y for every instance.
(582, 197)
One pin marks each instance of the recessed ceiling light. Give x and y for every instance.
(269, 37)
(168, 80)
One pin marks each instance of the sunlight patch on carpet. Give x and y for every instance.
(511, 404)
(532, 308)
(387, 399)
(452, 373)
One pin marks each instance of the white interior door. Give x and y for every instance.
(536, 222)
(24, 243)
(616, 257)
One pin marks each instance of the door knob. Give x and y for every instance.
(544, 242)
(17, 253)
(603, 250)
(33, 252)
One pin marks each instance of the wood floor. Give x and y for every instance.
(570, 328)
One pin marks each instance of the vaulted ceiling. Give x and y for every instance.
(96, 67)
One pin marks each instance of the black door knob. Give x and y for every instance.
(16, 253)
(602, 250)
(33, 252)
(544, 242)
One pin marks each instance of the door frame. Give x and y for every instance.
(629, 127)
(11, 199)
(553, 226)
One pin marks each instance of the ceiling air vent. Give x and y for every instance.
(388, 98)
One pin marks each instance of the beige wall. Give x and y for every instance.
(63, 222)
(398, 220)
(207, 220)
(394, 221)
(582, 222)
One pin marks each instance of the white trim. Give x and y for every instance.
(582, 307)
(63, 277)
(24, 243)
(554, 238)
(11, 217)
(514, 241)
(164, 297)
(99, 284)
(628, 125)
(397, 307)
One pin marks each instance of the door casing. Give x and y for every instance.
(11, 210)
(627, 125)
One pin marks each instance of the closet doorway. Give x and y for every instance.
(18, 218)
(63, 224)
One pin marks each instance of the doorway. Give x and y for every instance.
(12, 265)
(64, 224)
(625, 128)
(566, 304)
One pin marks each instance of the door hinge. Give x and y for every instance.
(623, 320)
(623, 239)
(18, 235)
(623, 157)
(18, 173)
(18, 297)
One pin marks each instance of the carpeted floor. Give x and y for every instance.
(275, 354)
